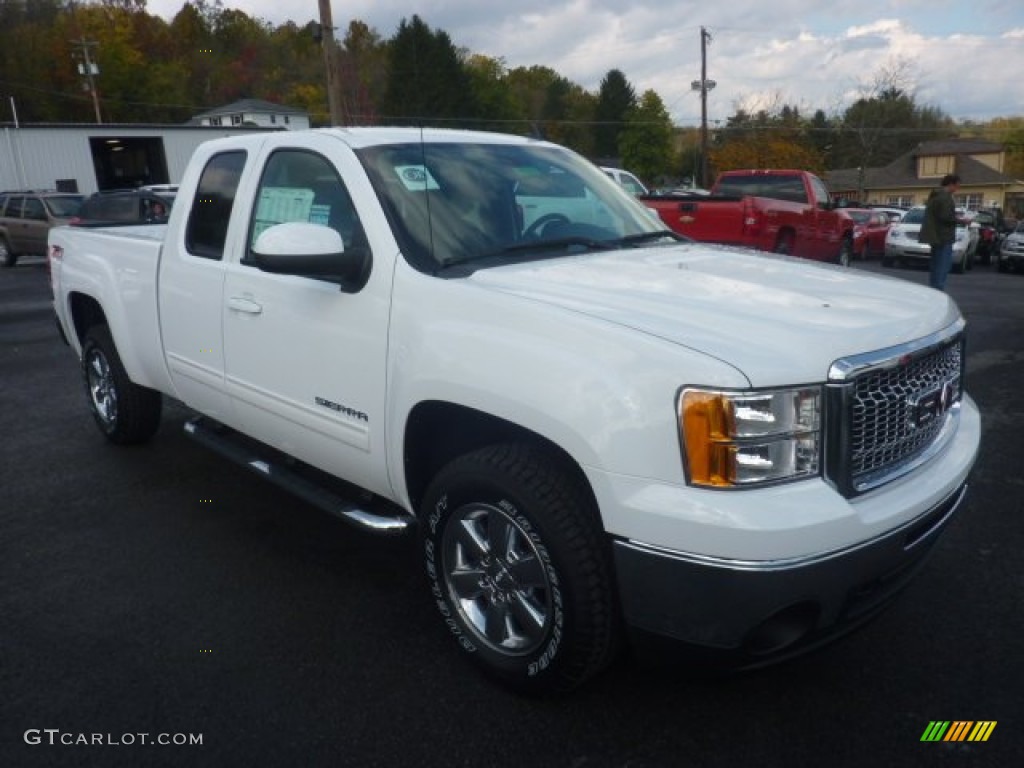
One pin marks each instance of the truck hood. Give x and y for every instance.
(777, 319)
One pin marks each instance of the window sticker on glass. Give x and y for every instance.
(278, 205)
(416, 178)
(320, 214)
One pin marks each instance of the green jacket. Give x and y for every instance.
(939, 226)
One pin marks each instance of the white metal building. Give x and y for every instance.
(88, 158)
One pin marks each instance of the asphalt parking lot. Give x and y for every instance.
(159, 594)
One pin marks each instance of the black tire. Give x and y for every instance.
(125, 412)
(519, 568)
(7, 257)
(784, 244)
(887, 262)
(845, 254)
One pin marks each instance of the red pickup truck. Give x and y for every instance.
(784, 211)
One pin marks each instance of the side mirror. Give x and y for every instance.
(311, 250)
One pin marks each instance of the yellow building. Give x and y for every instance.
(910, 178)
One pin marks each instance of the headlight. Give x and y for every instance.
(740, 439)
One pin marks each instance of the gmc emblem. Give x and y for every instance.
(929, 406)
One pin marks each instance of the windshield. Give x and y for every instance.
(861, 217)
(460, 203)
(913, 216)
(64, 207)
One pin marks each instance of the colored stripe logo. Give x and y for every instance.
(959, 730)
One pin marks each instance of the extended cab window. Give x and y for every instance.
(299, 185)
(211, 210)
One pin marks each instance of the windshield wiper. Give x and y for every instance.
(531, 249)
(658, 234)
(557, 244)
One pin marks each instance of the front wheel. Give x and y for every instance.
(125, 412)
(784, 244)
(518, 568)
(845, 252)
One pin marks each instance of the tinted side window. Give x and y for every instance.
(14, 207)
(34, 209)
(211, 209)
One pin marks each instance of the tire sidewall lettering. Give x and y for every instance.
(530, 666)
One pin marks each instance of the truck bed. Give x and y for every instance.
(709, 219)
(122, 261)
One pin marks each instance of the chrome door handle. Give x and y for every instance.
(240, 304)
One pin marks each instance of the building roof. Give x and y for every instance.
(250, 106)
(901, 173)
(957, 147)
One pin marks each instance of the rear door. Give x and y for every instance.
(36, 222)
(192, 285)
(17, 233)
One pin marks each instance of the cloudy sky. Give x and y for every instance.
(967, 58)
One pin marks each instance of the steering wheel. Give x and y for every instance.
(535, 228)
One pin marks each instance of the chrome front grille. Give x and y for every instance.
(884, 429)
(891, 410)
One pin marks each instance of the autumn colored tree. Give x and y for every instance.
(363, 61)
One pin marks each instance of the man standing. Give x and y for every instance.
(939, 229)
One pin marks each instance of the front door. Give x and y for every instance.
(305, 361)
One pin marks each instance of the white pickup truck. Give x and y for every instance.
(602, 431)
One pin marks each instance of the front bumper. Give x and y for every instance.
(1014, 257)
(750, 613)
(749, 577)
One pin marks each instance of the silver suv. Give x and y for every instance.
(25, 220)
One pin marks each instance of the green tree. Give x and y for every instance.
(491, 92)
(427, 81)
(645, 142)
(616, 98)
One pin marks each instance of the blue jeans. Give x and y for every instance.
(941, 263)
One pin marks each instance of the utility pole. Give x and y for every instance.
(334, 96)
(703, 85)
(88, 69)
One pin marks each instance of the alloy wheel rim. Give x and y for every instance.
(496, 579)
(101, 387)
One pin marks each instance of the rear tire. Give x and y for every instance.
(519, 569)
(125, 412)
(7, 257)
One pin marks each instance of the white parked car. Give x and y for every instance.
(1011, 251)
(626, 180)
(902, 246)
(894, 214)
